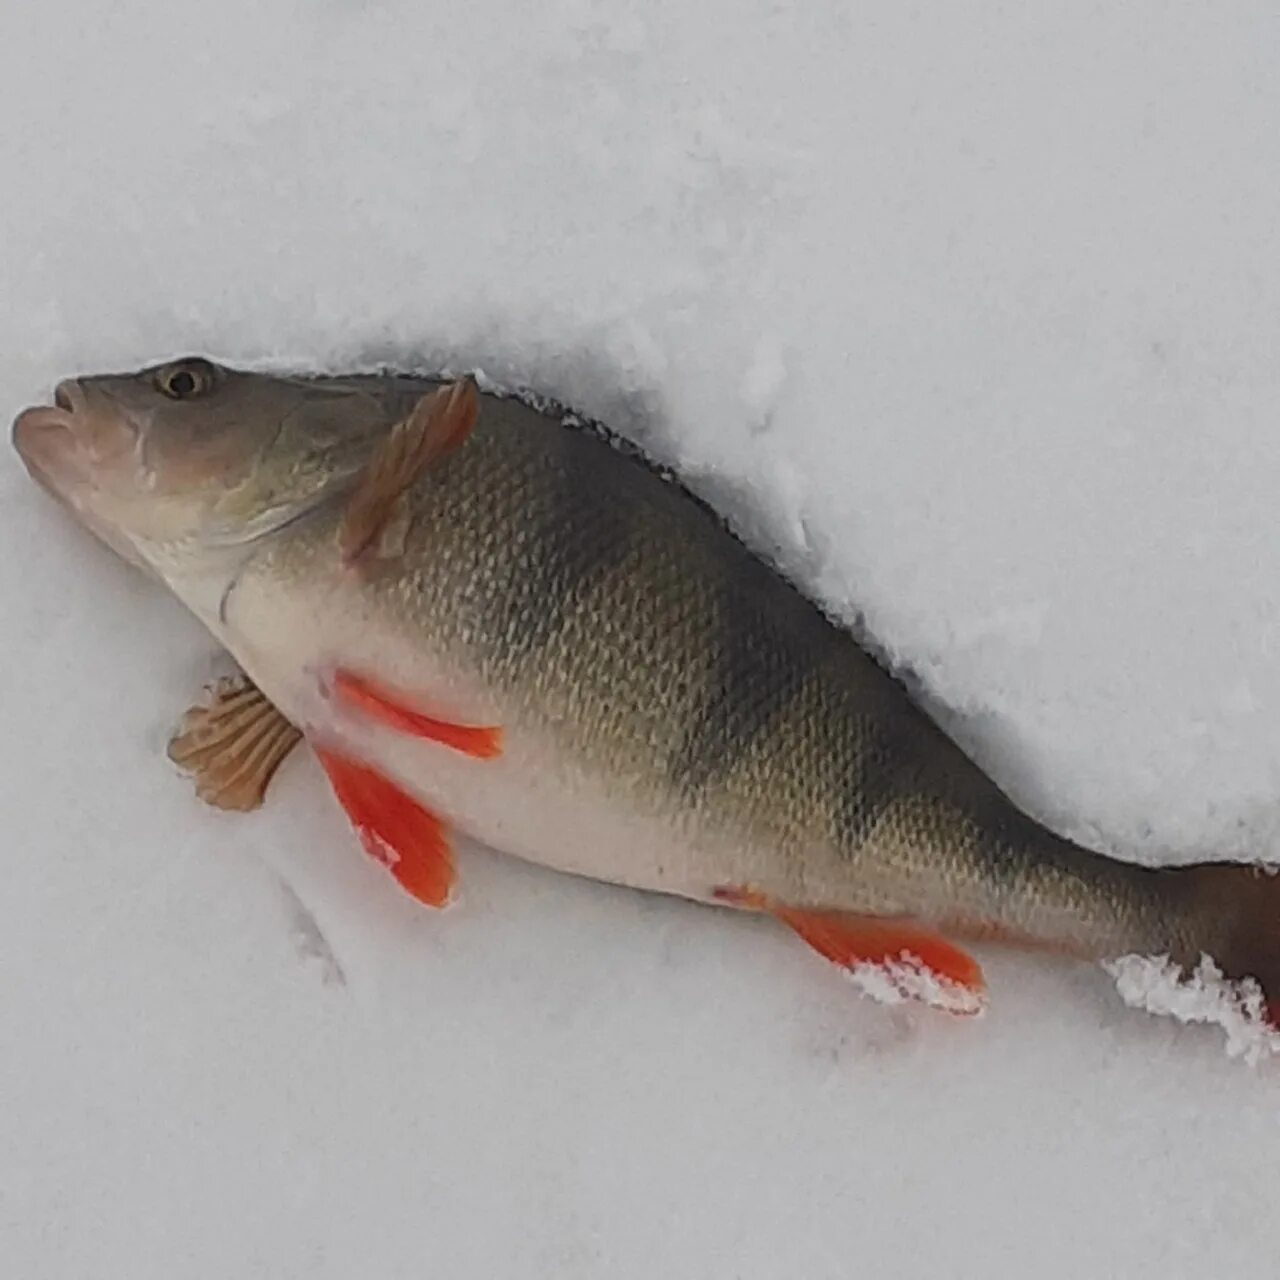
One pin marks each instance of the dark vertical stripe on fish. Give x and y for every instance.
(759, 670)
(881, 768)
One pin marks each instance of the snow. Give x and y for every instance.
(969, 315)
(1153, 984)
(906, 980)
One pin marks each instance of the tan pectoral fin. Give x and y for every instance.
(438, 424)
(915, 962)
(232, 744)
(395, 830)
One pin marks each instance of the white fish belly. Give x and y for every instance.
(530, 801)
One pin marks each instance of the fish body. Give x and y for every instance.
(524, 634)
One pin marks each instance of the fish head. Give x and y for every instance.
(180, 459)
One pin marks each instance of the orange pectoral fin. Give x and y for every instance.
(909, 954)
(481, 741)
(395, 829)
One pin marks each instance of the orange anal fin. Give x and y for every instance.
(435, 427)
(909, 954)
(481, 741)
(849, 940)
(409, 840)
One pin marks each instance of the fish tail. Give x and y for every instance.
(1053, 894)
(1233, 916)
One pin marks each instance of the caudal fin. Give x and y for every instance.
(1234, 918)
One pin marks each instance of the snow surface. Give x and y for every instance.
(970, 314)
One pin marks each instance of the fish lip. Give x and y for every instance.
(68, 395)
(45, 440)
(38, 423)
(48, 437)
(42, 420)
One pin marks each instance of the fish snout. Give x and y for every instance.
(51, 439)
(41, 436)
(43, 429)
(79, 434)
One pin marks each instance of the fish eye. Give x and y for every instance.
(186, 379)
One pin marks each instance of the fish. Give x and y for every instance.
(488, 619)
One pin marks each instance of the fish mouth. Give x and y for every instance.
(72, 446)
(45, 439)
(56, 444)
(67, 394)
(65, 445)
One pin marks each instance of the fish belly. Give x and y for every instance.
(534, 800)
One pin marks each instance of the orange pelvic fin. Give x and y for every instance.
(409, 840)
(917, 963)
(436, 426)
(481, 741)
